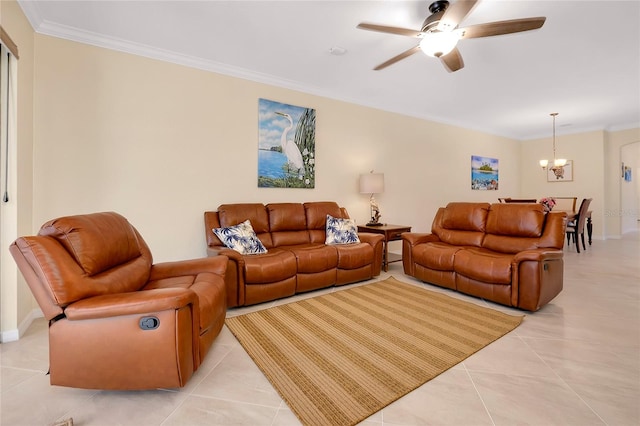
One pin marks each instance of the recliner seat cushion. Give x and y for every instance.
(354, 256)
(484, 265)
(273, 266)
(436, 255)
(313, 258)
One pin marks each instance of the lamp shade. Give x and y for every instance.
(372, 183)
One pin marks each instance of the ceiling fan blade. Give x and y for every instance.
(390, 30)
(502, 27)
(397, 58)
(452, 61)
(455, 13)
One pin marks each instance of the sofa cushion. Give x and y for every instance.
(506, 244)
(354, 256)
(484, 265)
(461, 224)
(516, 220)
(233, 214)
(240, 238)
(341, 231)
(465, 216)
(274, 266)
(436, 255)
(288, 224)
(316, 213)
(313, 258)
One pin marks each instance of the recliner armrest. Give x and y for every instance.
(215, 264)
(138, 302)
(537, 255)
(409, 241)
(414, 238)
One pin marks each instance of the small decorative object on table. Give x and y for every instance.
(548, 203)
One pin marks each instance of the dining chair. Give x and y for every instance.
(576, 226)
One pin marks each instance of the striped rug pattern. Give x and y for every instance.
(338, 358)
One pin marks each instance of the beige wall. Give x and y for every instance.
(587, 152)
(614, 184)
(16, 301)
(596, 163)
(161, 143)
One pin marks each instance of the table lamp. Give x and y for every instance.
(372, 183)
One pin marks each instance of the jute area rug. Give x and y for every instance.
(338, 358)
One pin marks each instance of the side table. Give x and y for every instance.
(391, 233)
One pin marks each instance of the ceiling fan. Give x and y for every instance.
(440, 33)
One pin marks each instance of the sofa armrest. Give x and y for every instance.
(216, 265)
(234, 276)
(370, 238)
(414, 238)
(133, 303)
(537, 277)
(409, 241)
(554, 230)
(537, 255)
(376, 241)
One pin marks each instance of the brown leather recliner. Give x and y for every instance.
(116, 320)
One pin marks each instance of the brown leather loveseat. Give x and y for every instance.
(116, 320)
(297, 258)
(507, 253)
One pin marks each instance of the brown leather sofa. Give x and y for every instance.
(507, 253)
(116, 320)
(297, 258)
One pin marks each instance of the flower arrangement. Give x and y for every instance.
(548, 203)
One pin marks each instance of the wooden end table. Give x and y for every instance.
(391, 233)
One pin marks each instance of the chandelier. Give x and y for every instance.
(558, 163)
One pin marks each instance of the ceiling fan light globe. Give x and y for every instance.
(439, 43)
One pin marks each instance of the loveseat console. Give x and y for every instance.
(295, 256)
(507, 253)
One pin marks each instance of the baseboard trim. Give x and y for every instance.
(13, 335)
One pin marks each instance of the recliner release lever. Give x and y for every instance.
(149, 323)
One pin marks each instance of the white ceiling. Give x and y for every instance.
(583, 63)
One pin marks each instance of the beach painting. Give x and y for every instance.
(286, 145)
(484, 173)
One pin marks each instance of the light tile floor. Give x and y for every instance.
(574, 362)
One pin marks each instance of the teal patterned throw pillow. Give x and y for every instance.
(240, 238)
(341, 231)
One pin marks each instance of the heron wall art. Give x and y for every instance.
(286, 145)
